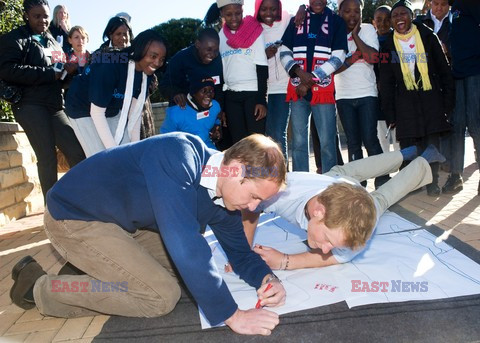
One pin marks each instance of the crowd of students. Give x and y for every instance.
(142, 206)
(390, 82)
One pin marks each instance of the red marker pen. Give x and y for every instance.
(266, 289)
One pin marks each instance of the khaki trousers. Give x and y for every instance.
(127, 274)
(415, 175)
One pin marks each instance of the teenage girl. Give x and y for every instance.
(105, 103)
(274, 22)
(245, 70)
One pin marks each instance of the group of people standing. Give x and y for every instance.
(134, 214)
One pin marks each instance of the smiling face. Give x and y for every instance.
(37, 18)
(78, 41)
(204, 96)
(233, 15)
(351, 13)
(402, 19)
(381, 21)
(207, 49)
(120, 38)
(153, 58)
(440, 8)
(319, 235)
(239, 193)
(269, 12)
(317, 6)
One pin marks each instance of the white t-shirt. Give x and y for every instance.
(277, 76)
(239, 65)
(290, 203)
(359, 79)
(409, 52)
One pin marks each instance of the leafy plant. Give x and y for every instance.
(10, 18)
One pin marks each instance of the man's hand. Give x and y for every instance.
(300, 16)
(272, 257)
(260, 112)
(180, 100)
(305, 78)
(301, 90)
(273, 297)
(253, 322)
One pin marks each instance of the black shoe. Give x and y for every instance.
(381, 180)
(24, 274)
(433, 190)
(454, 184)
(70, 269)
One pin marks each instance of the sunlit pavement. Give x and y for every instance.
(458, 215)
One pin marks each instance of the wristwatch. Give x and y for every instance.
(273, 277)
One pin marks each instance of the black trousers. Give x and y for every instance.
(240, 110)
(47, 128)
(422, 144)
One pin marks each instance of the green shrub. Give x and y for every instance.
(10, 18)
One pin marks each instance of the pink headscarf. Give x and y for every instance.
(257, 9)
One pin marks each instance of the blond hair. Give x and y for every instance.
(55, 19)
(261, 157)
(80, 29)
(351, 208)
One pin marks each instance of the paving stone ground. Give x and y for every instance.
(459, 215)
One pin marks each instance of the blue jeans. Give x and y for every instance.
(466, 114)
(359, 119)
(277, 120)
(326, 123)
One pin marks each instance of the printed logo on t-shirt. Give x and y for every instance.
(117, 95)
(202, 115)
(216, 79)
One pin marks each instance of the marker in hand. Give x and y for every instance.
(257, 306)
(388, 131)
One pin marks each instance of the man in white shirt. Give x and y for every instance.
(338, 214)
(438, 19)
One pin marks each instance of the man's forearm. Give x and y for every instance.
(311, 259)
(250, 222)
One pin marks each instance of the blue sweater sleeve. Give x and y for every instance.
(173, 192)
(246, 263)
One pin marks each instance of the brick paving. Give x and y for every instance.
(458, 215)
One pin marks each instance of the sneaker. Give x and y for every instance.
(433, 190)
(24, 274)
(454, 184)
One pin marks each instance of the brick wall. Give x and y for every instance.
(159, 109)
(20, 192)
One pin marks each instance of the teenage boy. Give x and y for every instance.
(338, 214)
(200, 115)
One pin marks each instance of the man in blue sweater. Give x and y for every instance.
(113, 216)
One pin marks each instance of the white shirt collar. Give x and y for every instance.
(209, 177)
(438, 23)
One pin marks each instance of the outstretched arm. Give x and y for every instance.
(250, 222)
(281, 261)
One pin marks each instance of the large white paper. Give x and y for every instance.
(401, 263)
